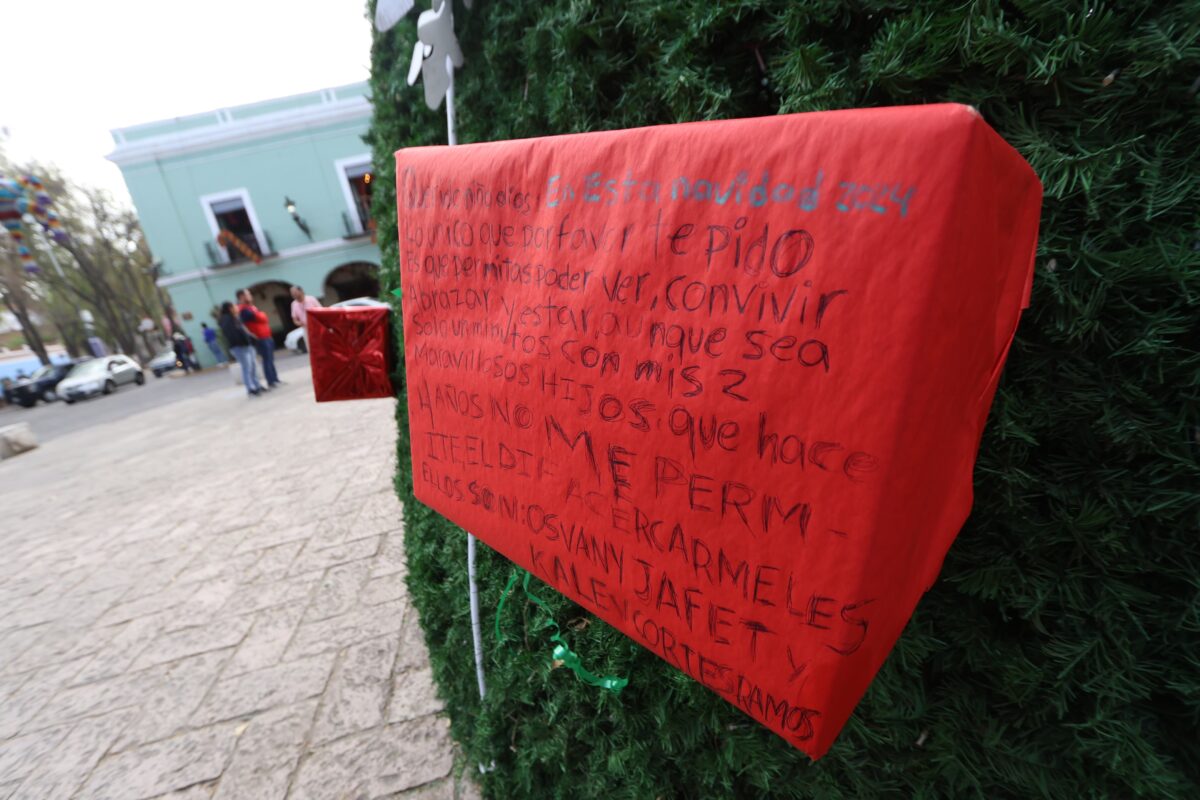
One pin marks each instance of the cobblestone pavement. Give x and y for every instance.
(206, 600)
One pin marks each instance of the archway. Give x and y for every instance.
(275, 300)
(355, 279)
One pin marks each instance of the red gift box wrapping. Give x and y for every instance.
(350, 353)
(725, 381)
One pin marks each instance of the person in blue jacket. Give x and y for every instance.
(210, 338)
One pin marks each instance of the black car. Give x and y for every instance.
(40, 385)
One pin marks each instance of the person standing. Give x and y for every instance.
(181, 352)
(210, 338)
(241, 345)
(256, 322)
(301, 303)
(191, 351)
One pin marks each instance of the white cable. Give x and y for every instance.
(476, 633)
(451, 136)
(476, 630)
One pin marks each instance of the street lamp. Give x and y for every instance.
(290, 205)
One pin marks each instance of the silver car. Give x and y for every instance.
(99, 376)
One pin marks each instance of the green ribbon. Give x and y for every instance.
(512, 579)
(562, 651)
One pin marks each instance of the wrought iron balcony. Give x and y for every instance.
(230, 249)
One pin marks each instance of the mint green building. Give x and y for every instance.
(261, 196)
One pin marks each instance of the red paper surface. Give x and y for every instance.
(349, 352)
(721, 383)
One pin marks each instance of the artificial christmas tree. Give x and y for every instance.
(1057, 653)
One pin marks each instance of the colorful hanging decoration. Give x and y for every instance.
(27, 195)
(227, 239)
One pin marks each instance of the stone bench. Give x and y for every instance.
(16, 439)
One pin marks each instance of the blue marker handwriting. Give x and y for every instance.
(744, 190)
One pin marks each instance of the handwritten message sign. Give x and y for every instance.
(720, 383)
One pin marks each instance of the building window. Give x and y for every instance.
(356, 177)
(236, 234)
(231, 215)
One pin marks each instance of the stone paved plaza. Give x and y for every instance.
(207, 600)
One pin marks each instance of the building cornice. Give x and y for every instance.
(226, 130)
(291, 252)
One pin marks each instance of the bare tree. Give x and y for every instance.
(104, 266)
(15, 296)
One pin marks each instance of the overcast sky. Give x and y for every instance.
(75, 69)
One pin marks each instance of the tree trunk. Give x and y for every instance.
(74, 348)
(104, 302)
(16, 304)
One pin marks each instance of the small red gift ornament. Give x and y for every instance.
(350, 353)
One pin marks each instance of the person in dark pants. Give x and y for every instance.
(241, 346)
(181, 352)
(210, 339)
(256, 322)
(191, 349)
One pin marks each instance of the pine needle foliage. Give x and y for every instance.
(1058, 655)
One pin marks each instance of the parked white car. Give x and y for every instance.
(99, 376)
(164, 362)
(295, 339)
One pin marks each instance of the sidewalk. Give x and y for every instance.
(206, 600)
